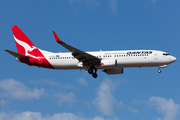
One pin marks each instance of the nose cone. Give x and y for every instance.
(173, 59)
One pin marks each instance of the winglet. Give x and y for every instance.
(57, 38)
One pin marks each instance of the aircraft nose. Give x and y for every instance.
(173, 59)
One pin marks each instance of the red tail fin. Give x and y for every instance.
(23, 43)
(27, 52)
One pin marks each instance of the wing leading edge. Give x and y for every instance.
(85, 58)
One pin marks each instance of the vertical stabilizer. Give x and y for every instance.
(23, 43)
(27, 52)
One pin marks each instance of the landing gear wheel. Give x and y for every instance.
(94, 75)
(159, 71)
(90, 71)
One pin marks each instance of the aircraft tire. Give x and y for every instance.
(90, 71)
(94, 75)
(159, 71)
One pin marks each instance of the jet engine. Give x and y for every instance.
(114, 71)
(109, 62)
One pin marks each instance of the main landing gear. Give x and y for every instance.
(93, 71)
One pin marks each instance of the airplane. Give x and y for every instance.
(111, 62)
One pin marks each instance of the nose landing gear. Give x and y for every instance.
(159, 70)
(163, 66)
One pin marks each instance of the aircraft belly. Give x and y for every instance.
(134, 62)
(65, 64)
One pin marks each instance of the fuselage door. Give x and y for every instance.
(155, 56)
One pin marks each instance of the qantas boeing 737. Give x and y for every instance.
(111, 62)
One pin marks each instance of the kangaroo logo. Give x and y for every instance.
(28, 48)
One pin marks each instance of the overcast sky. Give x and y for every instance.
(32, 93)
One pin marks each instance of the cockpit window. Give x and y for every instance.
(166, 54)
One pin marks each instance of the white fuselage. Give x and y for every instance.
(112, 59)
(112, 62)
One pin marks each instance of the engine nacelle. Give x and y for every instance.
(109, 62)
(114, 71)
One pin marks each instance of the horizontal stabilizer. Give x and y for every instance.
(17, 55)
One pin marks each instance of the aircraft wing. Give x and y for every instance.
(84, 57)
